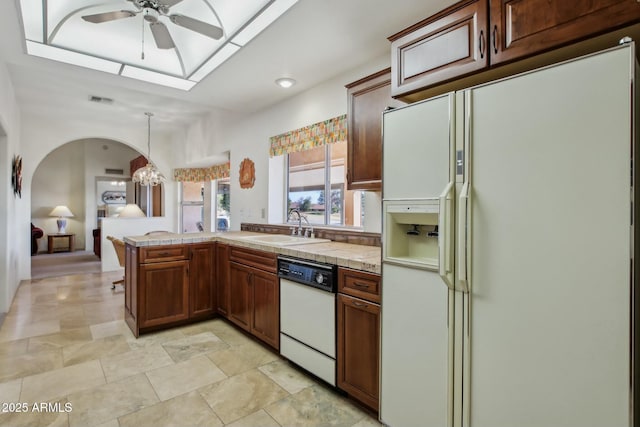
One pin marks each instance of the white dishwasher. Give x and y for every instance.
(308, 315)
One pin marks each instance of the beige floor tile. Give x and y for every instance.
(10, 391)
(112, 423)
(53, 415)
(107, 402)
(93, 350)
(18, 366)
(115, 327)
(154, 339)
(60, 339)
(315, 407)
(17, 331)
(14, 348)
(241, 395)
(241, 358)
(193, 345)
(286, 376)
(368, 422)
(259, 418)
(220, 328)
(61, 382)
(186, 410)
(134, 362)
(185, 376)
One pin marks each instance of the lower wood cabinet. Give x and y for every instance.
(168, 285)
(254, 294)
(164, 293)
(222, 279)
(358, 346)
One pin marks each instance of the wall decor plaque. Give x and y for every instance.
(16, 176)
(247, 173)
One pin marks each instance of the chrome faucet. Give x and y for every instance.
(299, 231)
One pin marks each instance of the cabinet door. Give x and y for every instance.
(265, 319)
(367, 98)
(523, 27)
(222, 279)
(201, 279)
(239, 295)
(164, 293)
(450, 44)
(358, 349)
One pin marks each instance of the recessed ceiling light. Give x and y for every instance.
(285, 82)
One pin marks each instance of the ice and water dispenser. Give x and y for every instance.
(411, 232)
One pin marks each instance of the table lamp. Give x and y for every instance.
(131, 211)
(61, 212)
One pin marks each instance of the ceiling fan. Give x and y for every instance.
(152, 10)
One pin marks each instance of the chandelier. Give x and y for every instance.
(149, 174)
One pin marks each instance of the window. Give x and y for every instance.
(317, 186)
(192, 207)
(223, 204)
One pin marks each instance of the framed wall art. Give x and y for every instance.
(16, 176)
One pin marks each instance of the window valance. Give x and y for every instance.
(202, 174)
(312, 136)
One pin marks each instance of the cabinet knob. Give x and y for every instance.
(495, 39)
(481, 44)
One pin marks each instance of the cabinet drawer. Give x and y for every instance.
(163, 253)
(266, 261)
(450, 44)
(359, 284)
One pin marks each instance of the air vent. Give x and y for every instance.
(114, 171)
(100, 99)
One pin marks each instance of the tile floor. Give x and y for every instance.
(68, 359)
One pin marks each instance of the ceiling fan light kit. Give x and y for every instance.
(99, 36)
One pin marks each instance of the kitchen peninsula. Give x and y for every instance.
(172, 279)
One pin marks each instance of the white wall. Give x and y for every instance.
(15, 236)
(248, 137)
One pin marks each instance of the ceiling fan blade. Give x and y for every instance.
(161, 35)
(109, 16)
(197, 26)
(169, 3)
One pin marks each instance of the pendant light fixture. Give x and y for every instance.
(149, 174)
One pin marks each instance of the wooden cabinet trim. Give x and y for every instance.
(149, 254)
(359, 284)
(262, 260)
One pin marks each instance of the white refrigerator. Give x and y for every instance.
(508, 275)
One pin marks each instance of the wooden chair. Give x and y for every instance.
(118, 245)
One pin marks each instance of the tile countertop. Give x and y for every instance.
(358, 257)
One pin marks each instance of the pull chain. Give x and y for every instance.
(142, 54)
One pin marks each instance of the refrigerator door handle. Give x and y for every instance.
(446, 235)
(464, 230)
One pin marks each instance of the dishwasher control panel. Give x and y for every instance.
(317, 275)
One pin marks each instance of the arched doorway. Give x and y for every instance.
(74, 175)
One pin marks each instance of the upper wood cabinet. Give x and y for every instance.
(479, 35)
(521, 28)
(367, 98)
(445, 46)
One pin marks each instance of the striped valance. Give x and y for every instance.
(315, 135)
(202, 174)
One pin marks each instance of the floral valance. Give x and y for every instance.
(312, 136)
(202, 174)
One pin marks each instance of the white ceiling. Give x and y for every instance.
(312, 42)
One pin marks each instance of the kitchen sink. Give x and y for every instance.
(283, 240)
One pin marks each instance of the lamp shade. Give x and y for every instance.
(131, 211)
(61, 211)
